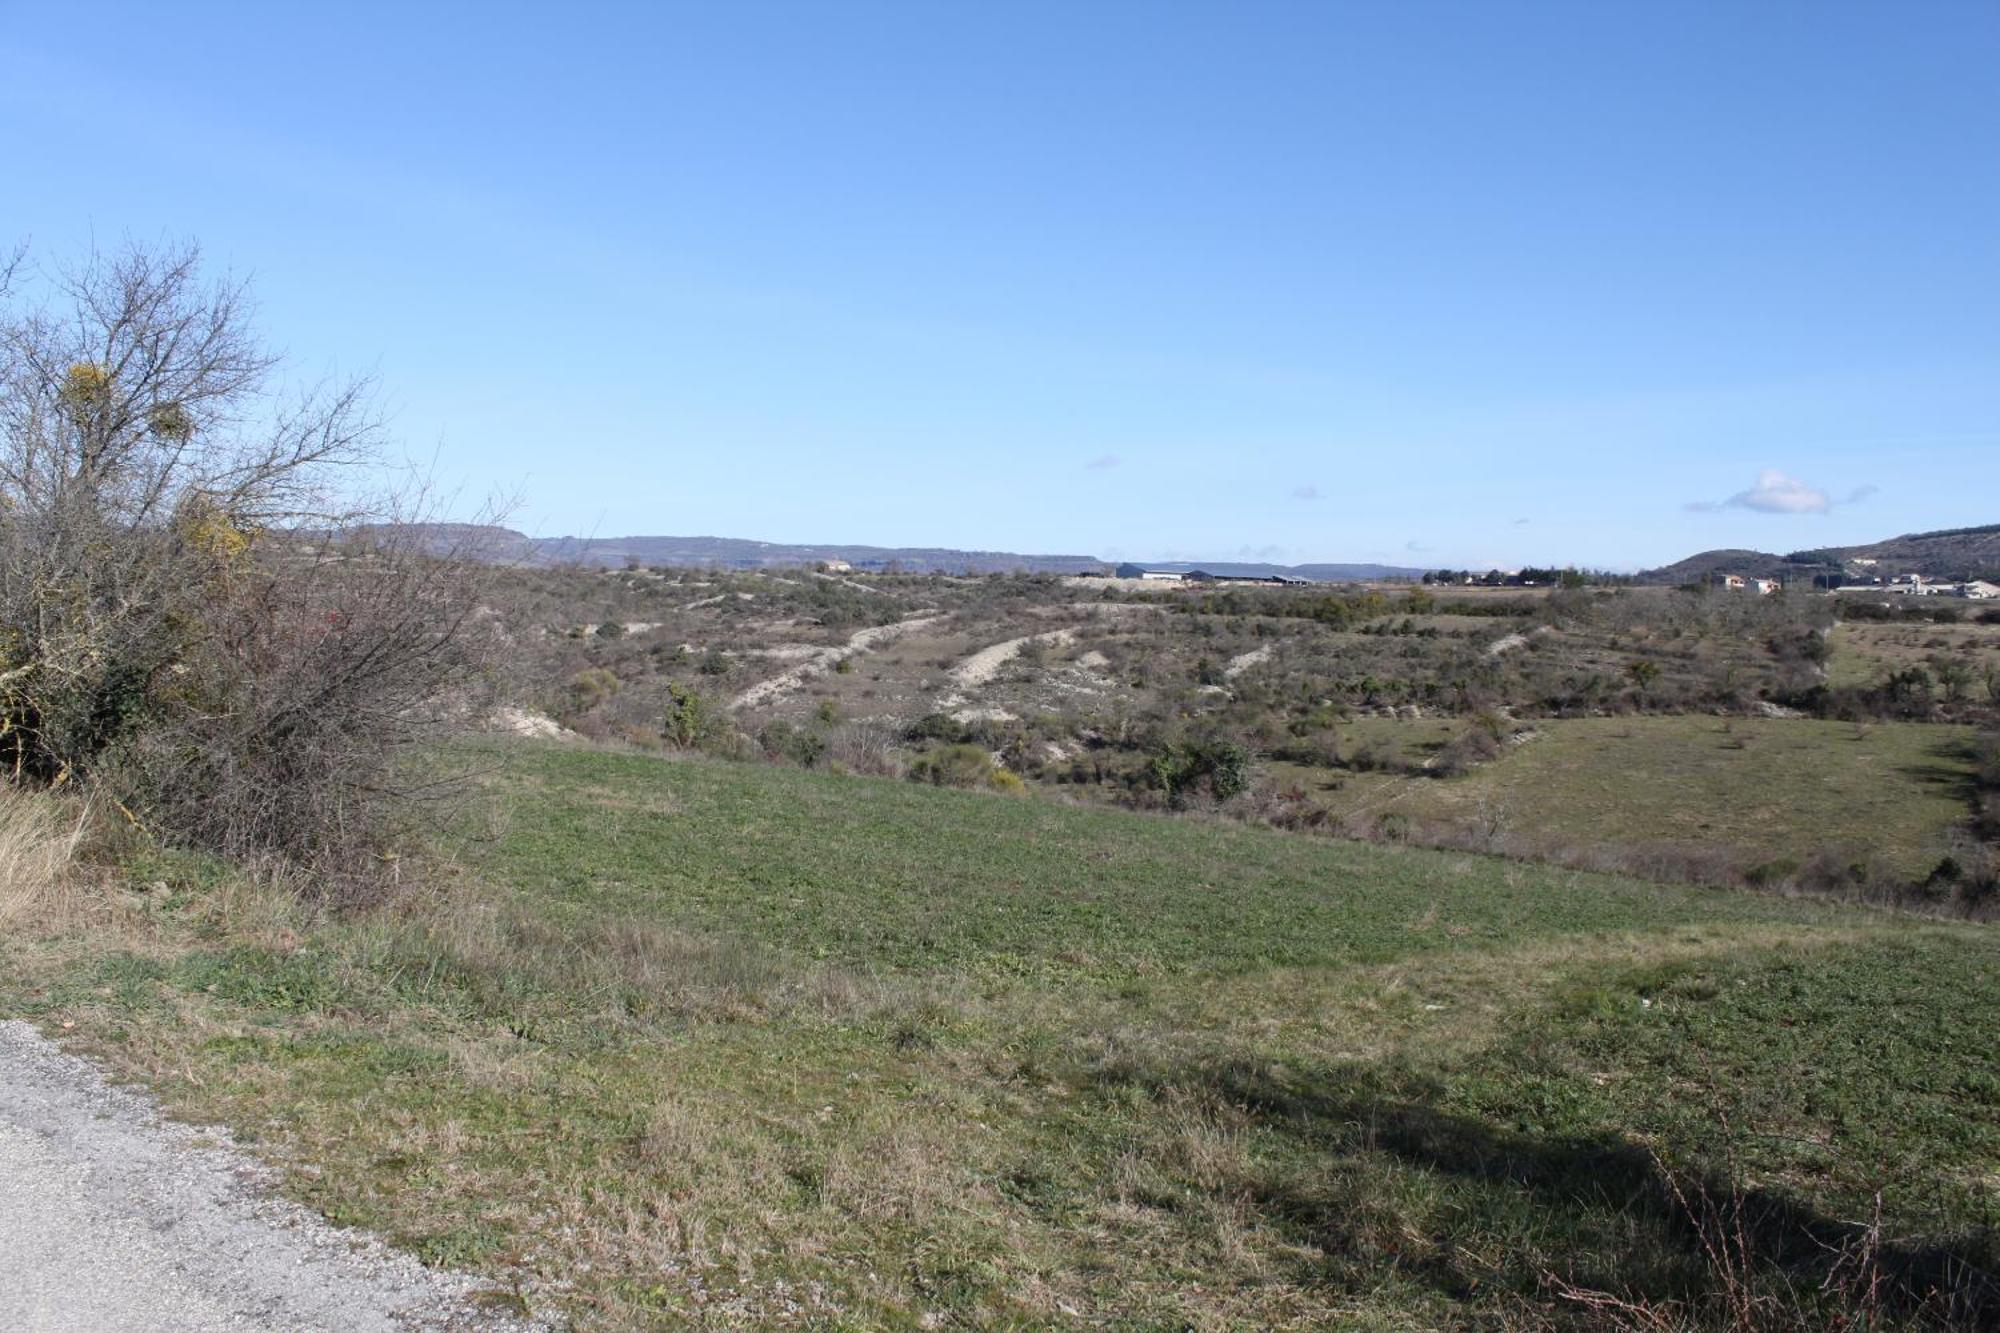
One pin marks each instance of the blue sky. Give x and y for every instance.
(1433, 284)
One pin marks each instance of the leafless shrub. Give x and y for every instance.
(867, 746)
(1765, 1272)
(1463, 753)
(294, 725)
(192, 618)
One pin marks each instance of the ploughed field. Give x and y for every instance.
(699, 1042)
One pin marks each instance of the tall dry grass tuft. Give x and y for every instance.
(38, 839)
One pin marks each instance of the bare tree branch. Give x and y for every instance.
(191, 607)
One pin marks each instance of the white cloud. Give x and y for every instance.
(1776, 493)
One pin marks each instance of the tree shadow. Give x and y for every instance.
(1952, 765)
(1718, 1231)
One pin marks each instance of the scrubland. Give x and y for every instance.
(1703, 736)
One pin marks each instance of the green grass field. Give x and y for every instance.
(691, 1043)
(1763, 788)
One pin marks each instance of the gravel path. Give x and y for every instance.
(113, 1220)
(1242, 662)
(985, 664)
(1508, 643)
(823, 660)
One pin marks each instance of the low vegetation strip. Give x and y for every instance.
(699, 1043)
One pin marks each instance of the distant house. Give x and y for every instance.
(836, 566)
(1979, 589)
(1130, 571)
(1734, 582)
(1763, 587)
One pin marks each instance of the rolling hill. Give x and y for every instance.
(1949, 553)
(504, 545)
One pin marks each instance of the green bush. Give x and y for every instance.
(956, 766)
(936, 727)
(589, 688)
(1221, 768)
(688, 721)
(782, 740)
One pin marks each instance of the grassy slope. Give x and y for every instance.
(1891, 791)
(890, 875)
(751, 1045)
(1865, 652)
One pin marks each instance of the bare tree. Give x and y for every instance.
(184, 609)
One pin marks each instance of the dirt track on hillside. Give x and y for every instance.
(824, 660)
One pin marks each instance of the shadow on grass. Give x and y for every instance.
(1691, 1241)
(1952, 766)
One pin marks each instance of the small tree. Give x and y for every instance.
(1954, 677)
(688, 720)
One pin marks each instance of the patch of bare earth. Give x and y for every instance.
(1242, 662)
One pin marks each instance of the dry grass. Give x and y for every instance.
(1864, 652)
(39, 835)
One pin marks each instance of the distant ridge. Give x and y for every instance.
(738, 553)
(1949, 553)
(506, 546)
